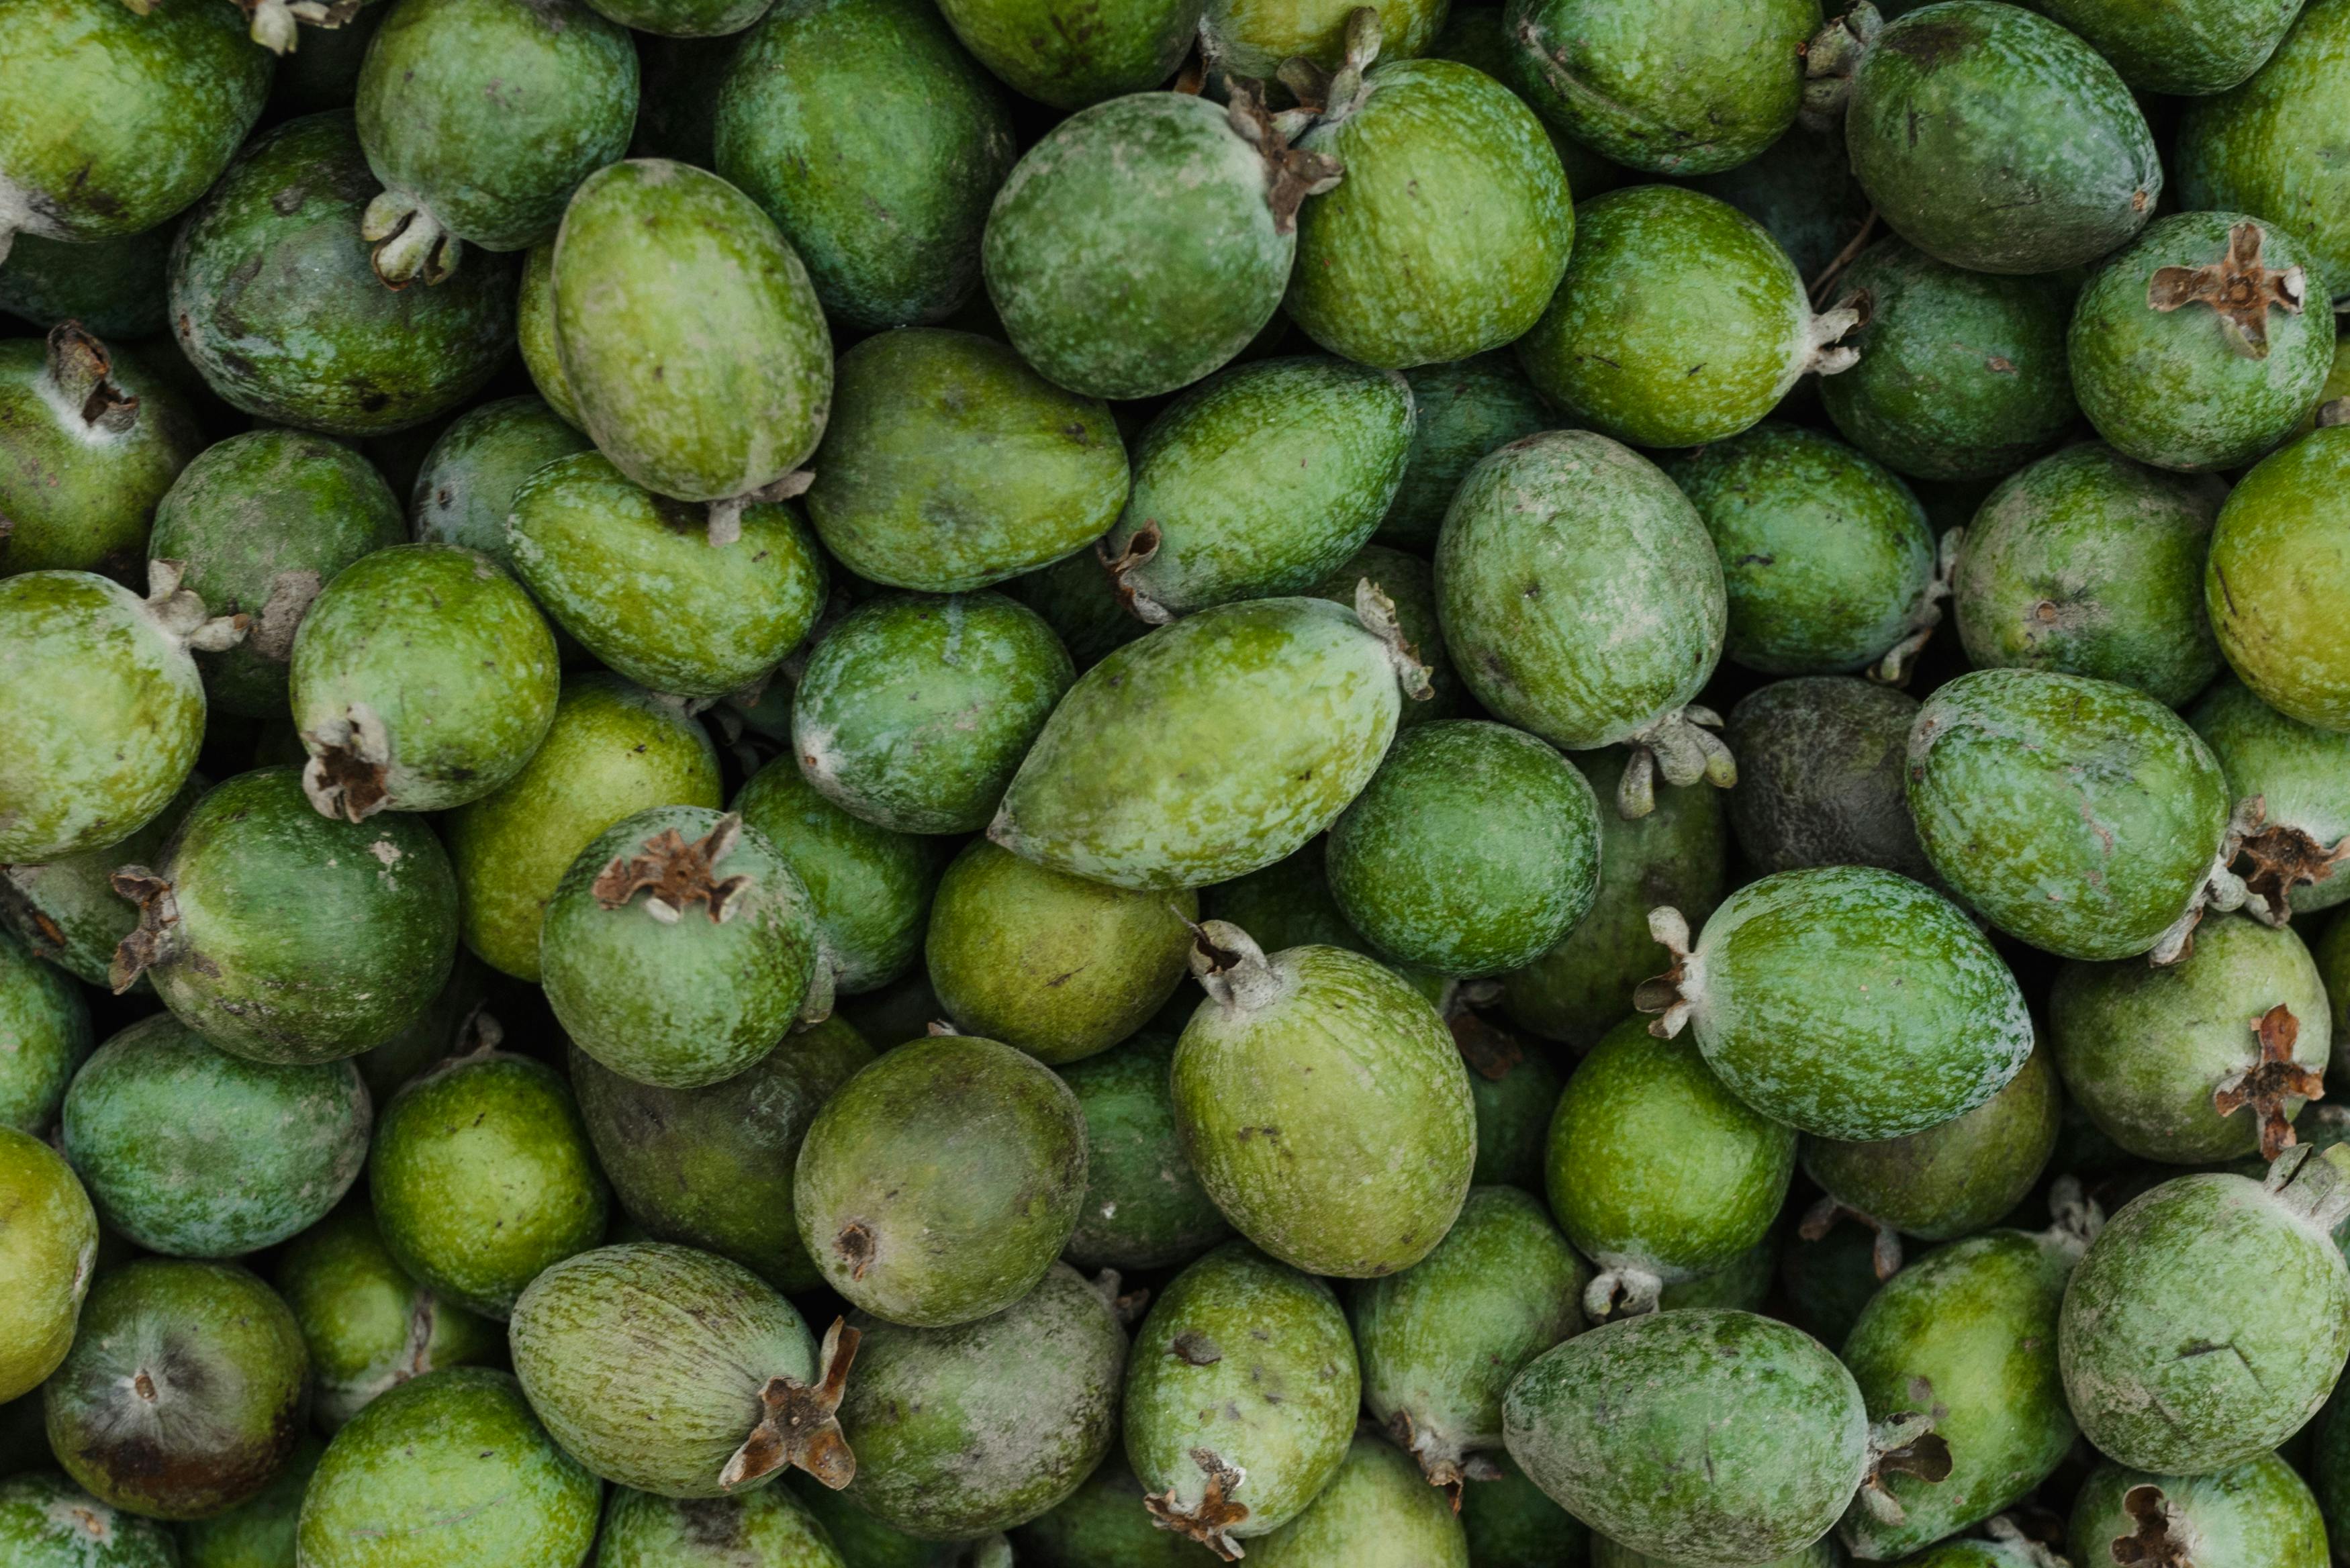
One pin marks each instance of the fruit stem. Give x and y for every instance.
(179, 613)
(2007, 1533)
(1904, 1443)
(1668, 994)
(1830, 60)
(156, 939)
(1827, 356)
(1232, 968)
(81, 375)
(410, 242)
(726, 516)
(1209, 1520)
(1677, 745)
(2077, 1218)
(350, 763)
(1884, 1254)
(1622, 1292)
(2223, 889)
(1291, 173)
(2240, 288)
(677, 873)
(1140, 546)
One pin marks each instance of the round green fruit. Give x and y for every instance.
(49, 1248)
(1144, 1206)
(113, 287)
(260, 1531)
(2278, 551)
(1374, 1513)
(2300, 774)
(464, 491)
(2259, 1512)
(91, 440)
(44, 1035)
(1820, 764)
(1462, 411)
(1257, 37)
(765, 1529)
(46, 1521)
(870, 886)
(66, 909)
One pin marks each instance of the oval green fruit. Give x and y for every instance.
(1069, 55)
(1375, 1513)
(2194, 49)
(44, 1034)
(764, 1529)
(1820, 765)
(870, 886)
(47, 1252)
(1144, 1206)
(2300, 774)
(46, 1521)
(91, 440)
(1257, 37)
(464, 491)
(534, 336)
(2278, 554)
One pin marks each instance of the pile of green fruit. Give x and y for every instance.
(1115, 783)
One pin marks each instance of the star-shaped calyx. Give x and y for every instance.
(1216, 1513)
(798, 1425)
(2239, 287)
(2269, 1083)
(677, 873)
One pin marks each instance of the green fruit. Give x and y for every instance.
(951, 465)
(90, 440)
(689, 336)
(1463, 411)
(2278, 554)
(1511, 1524)
(46, 1521)
(1241, 1394)
(684, 18)
(2299, 772)
(534, 336)
(1515, 1090)
(193, 1152)
(481, 1178)
(765, 1529)
(275, 301)
(1289, 901)
(2082, 816)
(1105, 1520)
(1375, 1513)
(2259, 1512)
(1828, 1277)
(1844, 1001)
(1800, 189)
(66, 910)
(862, 1540)
(2088, 564)
(185, 1392)
(1821, 1553)
(675, 1372)
(870, 886)
(1441, 1341)
(113, 287)
(1069, 55)
(1259, 482)
(1323, 1105)
(1144, 1206)
(283, 936)
(2325, 1463)
(451, 1470)
(1962, 375)
(49, 1246)
(258, 1533)
(1212, 747)
(876, 144)
(464, 491)
(1409, 584)
(369, 1327)
(1990, 138)
(1681, 321)
(2212, 1316)
(937, 1184)
(2193, 49)
(44, 1035)
(1820, 764)
(1257, 37)
(1743, 1284)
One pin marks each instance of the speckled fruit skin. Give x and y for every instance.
(1703, 1437)
(44, 1035)
(451, 1470)
(1441, 1341)
(195, 1153)
(2195, 49)
(1510, 1524)
(2279, 552)
(46, 1521)
(1820, 762)
(1144, 1206)
(951, 465)
(1962, 375)
(646, 1360)
(2246, 150)
(1375, 1513)
(1250, 1363)
(47, 1251)
(614, 750)
(876, 143)
(274, 302)
(870, 886)
(464, 491)
(1069, 55)
(689, 336)
(1821, 1553)
(481, 1178)
(2088, 563)
(1104, 1521)
(937, 1184)
(1261, 481)
(959, 1431)
(231, 1386)
(534, 335)
(179, 95)
(1133, 250)
(1463, 410)
(258, 1532)
(1211, 748)
(2260, 1513)
(288, 937)
(764, 1529)
(67, 911)
(1257, 37)
(1681, 321)
(2325, 1463)
(113, 287)
(1825, 555)
(2300, 772)
(861, 1540)
(1935, 93)
(90, 441)
(1687, 87)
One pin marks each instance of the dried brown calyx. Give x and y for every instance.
(1140, 546)
(1895, 667)
(1442, 1461)
(82, 371)
(2272, 1082)
(2240, 288)
(2281, 857)
(1680, 744)
(800, 1426)
(1905, 1444)
(676, 874)
(853, 1244)
(1209, 1520)
(1884, 1254)
(350, 772)
(1490, 1050)
(156, 939)
(726, 516)
(1126, 1305)
(1668, 995)
(1291, 173)
(2162, 1537)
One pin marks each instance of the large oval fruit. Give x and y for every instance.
(48, 1253)
(2277, 562)
(91, 440)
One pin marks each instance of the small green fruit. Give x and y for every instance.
(1144, 1206)
(1374, 1513)
(66, 909)
(44, 1034)
(870, 886)
(91, 440)
(1464, 409)
(1105, 1520)
(1068, 54)
(260, 1531)
(46, 1521)
(464, 491)
(47, 1252)
(2299, 772)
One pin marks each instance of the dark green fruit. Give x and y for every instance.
(113, 287)
(2260, 1513)
(1105, 1520)
(1825, 1283)
(534, 336)
(1375, 1513)
(1800, 189)
(768, 1528)
(90, 440)
(44, 1034)
(1069, 55)
(260, 1531)
(46, 1521)
(2300, 773)
(1462, 411)
(2276, 564)
(1822, 1554)
(66, 909)
(2201, 47)
(861, 1540)
(1510, 1524)
(1515, 1089)
(1257, 37)
(1289, 901)
(870, 886)
(1144, 1206)
(464, 491)
(1820, 762)
(48, 1249)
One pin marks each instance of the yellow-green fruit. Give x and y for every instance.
(49, 1246)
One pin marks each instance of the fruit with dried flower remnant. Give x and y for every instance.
(2301, 775)
(2258, 1514)
(90, 440)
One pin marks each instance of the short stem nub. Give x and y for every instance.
(1378, 613)
(1680, 744)
(1209, 1520)
(410, 242)
(1232, 968)
(1894, 668)
(156, 939)
(82, 371)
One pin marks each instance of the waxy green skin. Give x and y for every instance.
(1825, 555)
(2143, 1049)
(914, 711)
(1510, 1524)
(1249, 1361)
(951, 465)
(939, 1184)
(1132, 250)
(684, 18)
(1375, 1513)
(1070, 55)
(1441, 1341)
(1743, 1283)
(1409, 584)
(876, 143)
(260, 1531)
(67, 912)
(2325, 1463)
(2218, 1260)
(2194, 49)
(1056, 965)
(1209, 749)
(79, 492)
(452, 1471)
(1257, 37)
(1462, 411)
(1472, 850)
(481, 1178)
(1144, 1206)
(764, 1529)
(1956, 1177)
(2260, 1513)
(261, 523)
(44, 1035)
(2300, 772)
(1104, 1521)
(1681, 321)
(464, 491)
(614, 750)
(1259, 481)
(1655, 1169)
(179, 92)
(2174, 389)
(1628, 613)
(2088, 563)
(870, 886)
(534, 336)
(1703, 1436)
(2077, 815)
(1962, 375)
(230, 1387)
(274, 302)
(113, 287)
(1685, 88)
(46, 1521)
(48, 1249)
(2279, 555)
(298, 938)
(959, 1431)
(645, 1360)
(1960, 118)
(195, 1153)
(1820, 761)
(1852, 1003)
(1450, 230)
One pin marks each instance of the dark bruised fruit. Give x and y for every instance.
(90, 440)
(1069, 55)
(2256, 1513)
(113, 287)
(1144, 1206)
(45, 1025)
(1511, 1524)
(1374, 1513)
(1104, 1521)
(2274, 573)
(48, 1249)
(48, 1522)
(1462, 411)
(464, 491)
(2300, 775)
(185, 1392)
(1820, 764)
(258, 1532)
(768, 1528)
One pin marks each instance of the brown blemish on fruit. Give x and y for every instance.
(855, 1245)
(2152, 1545)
